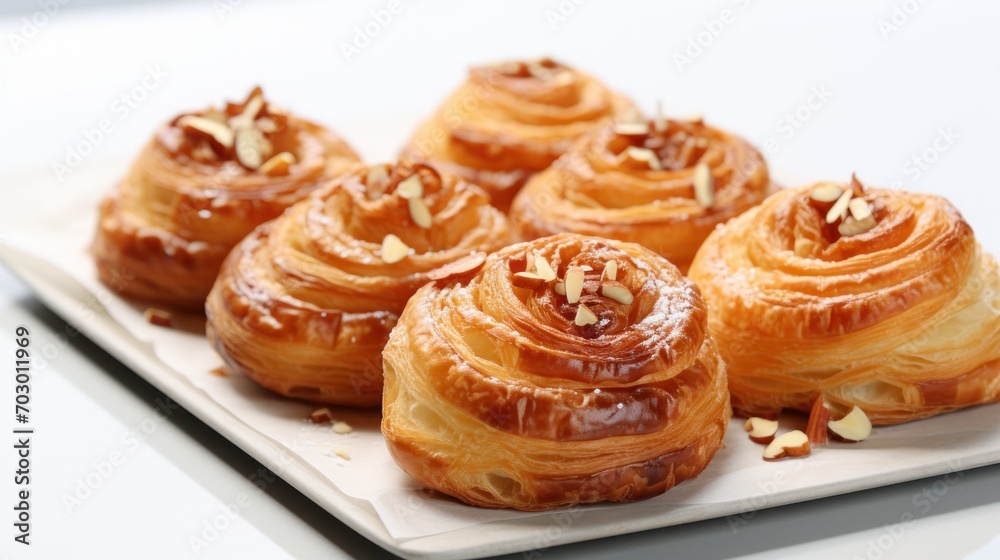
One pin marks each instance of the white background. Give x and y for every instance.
(891, 94)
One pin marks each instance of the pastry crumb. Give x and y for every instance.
(342, 428)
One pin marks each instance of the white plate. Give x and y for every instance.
(368, 493)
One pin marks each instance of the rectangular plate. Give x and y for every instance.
(735, 482)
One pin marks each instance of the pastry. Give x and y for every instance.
(565, 370)
(664, 184)
(203, 182)
(854, 296)
(512, 119)
(304, 305)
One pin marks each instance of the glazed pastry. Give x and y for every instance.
(304, 305)
(566, 370)
(664, 184)
(513, 119)
(857, 296)
(203, 182)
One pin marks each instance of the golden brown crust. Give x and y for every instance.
(595, 189)
(495, 394)
(304, 305)
(164, 231)
(902, 320)
(510, 120)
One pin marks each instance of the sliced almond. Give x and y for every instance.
(251, 147)
(827, 192)
(529, 260)
(393, 249)
(616, 291)
(574, 284)
(860, 209)
(852, 428)
(321, 415)
(839, 208)
(213, 131)
(791, 444)
(819, 417)
(375, 180)
(342, 453)
(341, 428)
(420, 213)
(641, 155)
(158, 317)
(610, 271)
(631, 128)
(850, 226)
(761, 430)
(266, 125)
(278, 164)
(560, 288)
(216, 116)
(250, 111)
(528, 280)
(586, 267)
(411, 187)
(584, 316)
(704, 185)
(544, 269)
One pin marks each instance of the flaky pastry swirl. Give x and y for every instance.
(901, 320)
(304, 305)
(499, 396)
(188, 198)
(510, 120)
(636, 182)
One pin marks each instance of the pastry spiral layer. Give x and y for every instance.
(503, 396)
(304, 305)
(204, 182)
(510, 120)
(890, 305)
(664, 184)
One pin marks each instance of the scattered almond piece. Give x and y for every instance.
(560, 288)
(213, 131)
(528, 280)
(827, 192)
(574, 284)
(393, 249)
(819, 417)
(850, 226)
(544, 269)
(704, 185)
(641, 155)
(839, 208)
(761, 430)
(278, 164)
(411, 187)
(631, 129)
(860, 209)
(321, 415)
(158, 317)
(584, 316)
(342, 428)
(616, 291)
(853, 428)
(790, 444)
(251, 147)
(342, 453)
(610, 271)
(420, 213)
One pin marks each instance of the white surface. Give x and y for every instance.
(890, 97)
